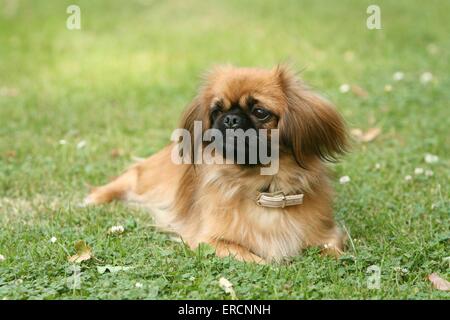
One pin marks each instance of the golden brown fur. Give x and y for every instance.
(215, 203)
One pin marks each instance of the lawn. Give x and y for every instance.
(76, 106)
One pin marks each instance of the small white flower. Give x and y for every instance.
(401, 270)
(428, 173)
(344, 179)
(81, 144)
(426, 77)
(447, 259)
(344, 88)
(388, 88)
(431, 158)
(408, 178)
(116, 230)
(62, 142)
(418, 171)
(398, 76)
(227, 286)
(2, 258)
(377, 166)
(53, 239)
(138, 285)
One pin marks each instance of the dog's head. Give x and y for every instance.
(245, 98)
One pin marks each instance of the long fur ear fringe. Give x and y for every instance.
(193, 112)
(311, 126)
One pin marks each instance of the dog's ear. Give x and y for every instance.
(194, 112)
(310, 126)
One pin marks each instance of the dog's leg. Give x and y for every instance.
(335, 243)
(116, 189)
(225, 249)
(157, 175)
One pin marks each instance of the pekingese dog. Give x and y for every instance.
(235, 207)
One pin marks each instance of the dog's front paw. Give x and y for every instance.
(331, 249)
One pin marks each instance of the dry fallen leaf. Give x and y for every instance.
(10, 154)
(360, 92)
(438, 282)
(371, 134)
(227, 286)
(84, 252)
(115, 153)
(9, 92)
(367, 136)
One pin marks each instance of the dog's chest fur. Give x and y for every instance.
(224, 208)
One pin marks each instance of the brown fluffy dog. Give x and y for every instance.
(215, 203)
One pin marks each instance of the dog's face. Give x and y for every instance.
(253, 99)
(233, 111)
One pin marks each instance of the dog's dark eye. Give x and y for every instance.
(260, 113)
(215, 112)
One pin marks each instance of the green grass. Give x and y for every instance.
(121, 82)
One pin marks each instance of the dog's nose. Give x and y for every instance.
(232, 121)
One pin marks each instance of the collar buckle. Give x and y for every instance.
(278, 199)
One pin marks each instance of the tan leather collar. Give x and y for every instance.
(278, 199)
